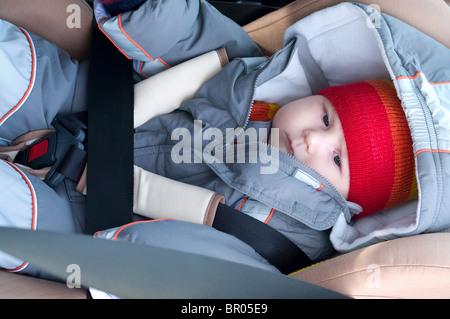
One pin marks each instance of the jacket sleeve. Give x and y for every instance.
(37, 80)
(166, 33)
(27, 202)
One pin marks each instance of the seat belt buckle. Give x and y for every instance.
(40, 154)
(53, 150)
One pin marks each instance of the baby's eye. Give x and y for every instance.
(326, 120)
(337, 160)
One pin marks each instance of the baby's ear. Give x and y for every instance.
(114, 7)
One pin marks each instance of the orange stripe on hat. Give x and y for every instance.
(402, 144)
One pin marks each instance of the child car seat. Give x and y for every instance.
(436, 240)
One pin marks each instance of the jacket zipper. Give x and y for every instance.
(335, 193)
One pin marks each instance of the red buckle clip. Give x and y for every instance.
(39, 154)
(37, 150)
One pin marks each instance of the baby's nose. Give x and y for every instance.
(317, 141)
(311, 139)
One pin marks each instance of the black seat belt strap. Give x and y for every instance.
(110, 136)
(267, 241)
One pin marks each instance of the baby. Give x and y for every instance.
(357, 136)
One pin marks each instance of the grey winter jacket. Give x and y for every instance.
(342, 44)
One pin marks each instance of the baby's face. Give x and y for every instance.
(310, 130)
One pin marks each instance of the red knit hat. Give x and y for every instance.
(379, 144)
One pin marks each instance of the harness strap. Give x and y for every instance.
(110, 138)
(268, 242)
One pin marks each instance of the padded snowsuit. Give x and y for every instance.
(337, 45)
